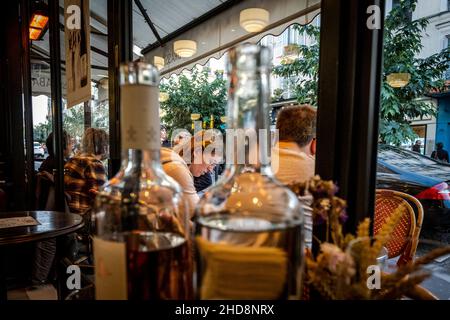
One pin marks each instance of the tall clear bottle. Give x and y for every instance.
(141, 248)
(249, 227)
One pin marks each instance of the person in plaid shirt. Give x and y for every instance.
(85, 173)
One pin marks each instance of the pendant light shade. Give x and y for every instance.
(158, 62)
(398, 80)
(254, 19)
(185, 48)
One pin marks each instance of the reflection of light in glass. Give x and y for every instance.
(255, 200)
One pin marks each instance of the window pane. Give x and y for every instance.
(415, 116)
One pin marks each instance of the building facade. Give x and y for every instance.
(435, 38)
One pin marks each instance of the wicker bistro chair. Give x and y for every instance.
(405, 237)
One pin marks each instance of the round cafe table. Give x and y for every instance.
(52, 224)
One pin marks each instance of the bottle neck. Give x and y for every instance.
(249, 122)
(142, 161)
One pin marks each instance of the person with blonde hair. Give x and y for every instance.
(85, 172)
(187, 161)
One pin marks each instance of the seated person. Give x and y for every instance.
(45, 251)
(180, 138)
(293, 158)
(296, 148)
(164, 142)
(85, 172)
(50, 162)
(206, 180)
(45, 175)
(182, 167)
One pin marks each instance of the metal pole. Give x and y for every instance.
(27, 103)
(349, 97)
(55, 68)
(11, 106)
(120, 47)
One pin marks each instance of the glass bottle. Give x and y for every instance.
(249, 227)
(141, 248)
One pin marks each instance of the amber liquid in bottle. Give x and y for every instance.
(141, 246)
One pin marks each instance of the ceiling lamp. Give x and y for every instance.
(163, 96)
(185, 48)
(398, 80)
(254, 19)
(38, 23)
(158, 62)
(290, 53)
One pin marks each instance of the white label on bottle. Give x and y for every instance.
(139, 116)
(110, 270)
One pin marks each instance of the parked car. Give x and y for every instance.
(38, 150)
(420, 176)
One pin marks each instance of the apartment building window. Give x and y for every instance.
(396, 3)
(447, 73)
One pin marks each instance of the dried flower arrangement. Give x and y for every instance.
(337, 274)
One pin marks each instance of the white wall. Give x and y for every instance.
(434, 38)
(426, 8)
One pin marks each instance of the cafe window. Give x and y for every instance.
(413, 118)
(93, 110)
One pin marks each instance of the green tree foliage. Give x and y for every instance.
(200, 92)
(73, 122)
(303, 72)
(402, 45)
(42, 130)
(100, 116)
